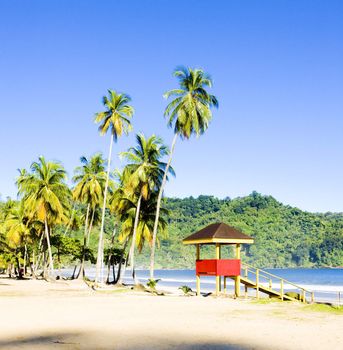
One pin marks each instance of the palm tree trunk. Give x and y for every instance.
(59, 263)
(70, 220)
(45, 264)
(20, 270)
(73, 275)
(113, 273)
(90, 228)
(110, 256)
(39, 253)
(82, 268)
(33, 274)
(25, 257)
(51, 267)
(158, 207)
(133, 243)
(120, 275)
(99, 262)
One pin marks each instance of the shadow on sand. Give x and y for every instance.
(79, 340)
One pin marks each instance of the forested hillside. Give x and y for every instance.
(284, 236)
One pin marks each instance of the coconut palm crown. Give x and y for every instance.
(190, 110)
(44, 191)
(117, 115)
(90, 180)
(144, 165)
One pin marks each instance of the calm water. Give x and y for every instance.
(326, 283)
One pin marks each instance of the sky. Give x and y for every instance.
(277, 68)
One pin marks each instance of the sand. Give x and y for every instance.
(69, 315)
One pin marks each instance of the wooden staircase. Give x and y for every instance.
(272, 285)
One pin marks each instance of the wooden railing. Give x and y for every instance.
(265, 281)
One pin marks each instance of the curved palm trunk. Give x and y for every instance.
(33, 274)
(51, 264)
(40, 252)
(158, 207)
(120, 275)
(70, 221)
(74, 273)
(90, 228)
(82, 268)
(99, 261)
(20, 270)
(110, 258)
(25, 257)
(134, 235)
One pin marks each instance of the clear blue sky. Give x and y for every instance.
(278, 74)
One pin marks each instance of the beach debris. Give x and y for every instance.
(187, 290)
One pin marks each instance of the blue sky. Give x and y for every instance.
(277, 68)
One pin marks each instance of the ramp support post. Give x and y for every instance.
(197, 276)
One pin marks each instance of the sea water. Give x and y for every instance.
(326, 283)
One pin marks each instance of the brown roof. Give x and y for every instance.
(218, 233)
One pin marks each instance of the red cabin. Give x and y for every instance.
(222, 267)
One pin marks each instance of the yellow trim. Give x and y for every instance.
(219, 240)
(238, 251)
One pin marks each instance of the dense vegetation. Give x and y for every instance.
(284, 236)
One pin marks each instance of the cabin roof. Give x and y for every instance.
(218, 233)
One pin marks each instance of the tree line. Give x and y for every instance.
(285, 236)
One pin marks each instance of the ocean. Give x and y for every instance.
(326, 283)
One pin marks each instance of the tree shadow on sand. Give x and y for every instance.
(80, 340)
(42, 341)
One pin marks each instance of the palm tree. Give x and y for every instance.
(90, 179)
(190, 114)
(144, 229)
(145, 176)
(17, 230)
(115, 118)
(45, 195)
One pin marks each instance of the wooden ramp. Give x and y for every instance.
(274, 286)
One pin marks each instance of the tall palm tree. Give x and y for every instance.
(124, 205)
(145, 176)
(90, 179)
(189, 113)
(115, 118)
(46, 196)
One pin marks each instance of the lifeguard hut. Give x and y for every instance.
(217, 235)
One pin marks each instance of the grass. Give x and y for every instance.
(267, 301)
(325, 308)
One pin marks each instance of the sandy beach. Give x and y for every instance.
(69, 315)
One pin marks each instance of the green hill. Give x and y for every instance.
(285, 236)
